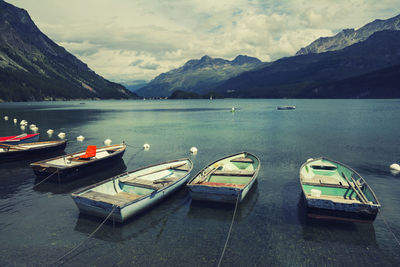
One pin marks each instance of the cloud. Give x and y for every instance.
(136, 40)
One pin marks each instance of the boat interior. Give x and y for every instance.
(235, 172)
(324, 179)
(77, 159)
(130, 186)
(26, 146)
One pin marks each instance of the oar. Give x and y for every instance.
(361, 197)
(16, 137)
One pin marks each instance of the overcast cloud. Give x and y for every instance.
(125, 40)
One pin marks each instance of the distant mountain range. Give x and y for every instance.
(199, 76)
(134, 85)
(348, 37)
(325, 75)
(33, 67)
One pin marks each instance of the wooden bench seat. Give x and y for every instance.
(233, 172)
(223, 184)
(242, 159)
(143, 183)
(118, 199)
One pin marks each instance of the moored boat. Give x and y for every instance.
(80, 163)
(19, 139)
(226, 180)
(131, 193)
(333, 190)
(285, 107)
(8, 151)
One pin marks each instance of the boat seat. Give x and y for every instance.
(242, 159)
(233, 172)
(184, 167)
(223, 184)
(118, 199)
(143, 183)
(90, 153)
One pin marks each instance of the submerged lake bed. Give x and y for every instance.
(39, 223)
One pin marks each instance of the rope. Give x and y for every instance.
(230, 229)
(45, 179)
(389, 229)
(138, 147)
(80, 244)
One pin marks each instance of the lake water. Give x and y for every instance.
(39, 224)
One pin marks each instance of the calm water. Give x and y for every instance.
(40, 224)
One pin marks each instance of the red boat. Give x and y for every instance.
(20, 139)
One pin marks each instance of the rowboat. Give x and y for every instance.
(226, 180)
(8, 151)
(130, 193)
(333, 190)
(80, 163)
(19, 139)
(285, 107)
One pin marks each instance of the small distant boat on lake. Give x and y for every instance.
(226, 180)
(333, 190)
(79, 163)
(8, 151)
(285, 107)
(131, 193)
(20, 139)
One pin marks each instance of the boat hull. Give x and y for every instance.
(30, 138)
(74, 172)
(121, 214)
(326, 209)
(18, 154)
(219, 194)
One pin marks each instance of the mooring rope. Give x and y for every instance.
(230, 230)
(87, 238)
(389, 229)
(45, 179)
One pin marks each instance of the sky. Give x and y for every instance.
(128, 40)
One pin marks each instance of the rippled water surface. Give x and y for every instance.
(39, 224)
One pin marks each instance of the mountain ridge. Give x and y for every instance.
(33, 67)
(198, 75)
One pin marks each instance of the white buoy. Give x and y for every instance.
(6, 118)
(80, 138)
(193, 150)
(310, 159)
(23, 122)
(50, 131)
(35, 129)
(32, 126)
(15, 121)
(107, 142)
(395, 167)
(61, 135)
(22, 127)
(233, 109)
(146, 146)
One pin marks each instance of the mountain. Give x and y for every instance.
(134, 85)
(348, 37)
(33, 67)
(302, 76)
(199, 76)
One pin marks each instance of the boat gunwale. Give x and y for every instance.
(43, 163)
(253, 177)
(378, 204)
(52, 143)
(156, 191)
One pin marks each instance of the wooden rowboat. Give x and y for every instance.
(77, 164)
(333, 190)
(226, 180)
(19, 139)
(131, 193)
(21, 150)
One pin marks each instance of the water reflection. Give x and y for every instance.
(343, 232)
(118, 166)
(214, 211)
